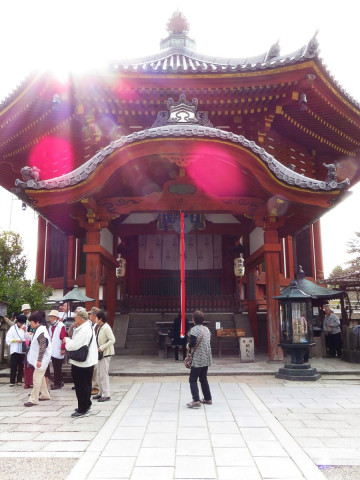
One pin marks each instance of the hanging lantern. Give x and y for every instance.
(239, 269)
(121, 269)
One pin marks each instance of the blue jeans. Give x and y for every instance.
(201, 374)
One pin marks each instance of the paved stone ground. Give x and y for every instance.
(320, 418)
(44, 442)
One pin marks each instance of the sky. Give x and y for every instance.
(78, 35)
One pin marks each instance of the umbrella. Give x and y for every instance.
(75, 295)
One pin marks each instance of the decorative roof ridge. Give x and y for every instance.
(333, 79)
(283, 173)
(307, 51)
(9, 97)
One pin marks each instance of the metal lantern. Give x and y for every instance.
(295, 314)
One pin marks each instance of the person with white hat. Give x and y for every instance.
(26, 309)
(57, 333)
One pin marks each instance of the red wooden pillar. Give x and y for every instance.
(40, 253)
(71, 258)
(252, 310)
(252, 303)
(111, 292)
(312, 252)
(272, 249)
(93, 268)
(282, 257)
(289, 254)
(319, 265)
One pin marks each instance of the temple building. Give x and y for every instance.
(253, 151)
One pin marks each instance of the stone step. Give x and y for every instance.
(134, 343)
(147, 336)
(137, 351)
(142, 331)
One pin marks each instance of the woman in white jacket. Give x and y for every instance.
(82, 372)
(39, 357)
(14, 338)
(105, 342)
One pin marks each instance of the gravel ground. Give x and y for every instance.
(23, 468)
(341, 472)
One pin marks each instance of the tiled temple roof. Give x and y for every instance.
(283, 173)
(185, 60)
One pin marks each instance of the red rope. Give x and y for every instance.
(182, 274)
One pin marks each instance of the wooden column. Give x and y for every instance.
(40, 253)
(282, 257)
(252, 303)
(111, 292)
(319, 265)
(272, 249)
(71, 258)
(93, 267)
(289, 254)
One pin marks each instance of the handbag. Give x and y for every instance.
(100, 354)
(188, 360)
(81, 354)
(189, 357)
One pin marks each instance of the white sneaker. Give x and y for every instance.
(194, 405)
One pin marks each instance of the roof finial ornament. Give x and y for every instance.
(313, 45)
(178, 28)
(177, 23)
(274, 51)
(331, 178)
(182, 112)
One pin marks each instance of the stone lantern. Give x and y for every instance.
(295, 314)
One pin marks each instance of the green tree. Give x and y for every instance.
(15, 289)
(337, 271)
(12, 261)
(353, 247)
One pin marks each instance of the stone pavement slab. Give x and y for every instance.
(201, 443)
(258, 427)
(47, 428)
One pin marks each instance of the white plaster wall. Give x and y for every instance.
(256, 239)
(106, 240)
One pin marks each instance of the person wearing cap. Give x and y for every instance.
(14, 338)
(57, 334)
(26, 309)
(332, 329)
(39, 357)
(95, 386)
(72, 315)
(62, 311)
(82, 372)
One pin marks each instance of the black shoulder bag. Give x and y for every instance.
(81, 354)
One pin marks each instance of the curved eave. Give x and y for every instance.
(183, 59)
(274, 176)
(334, 86)
(19, 93)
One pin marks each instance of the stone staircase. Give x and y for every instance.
(142, 335)
(140, 332)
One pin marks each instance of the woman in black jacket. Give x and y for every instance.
(177, 341)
